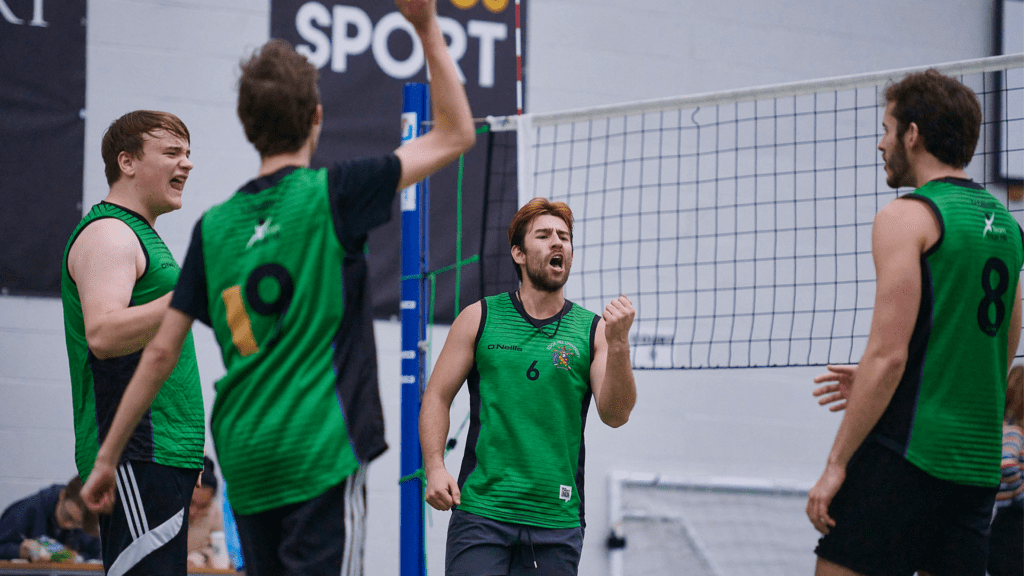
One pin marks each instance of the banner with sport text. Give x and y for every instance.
(366, 51)
(42, 134)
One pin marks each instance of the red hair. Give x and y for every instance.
(527, 214)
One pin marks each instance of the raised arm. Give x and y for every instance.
(453, 132)
(158, 361)
(452, 368)
(105, 262)
(611, 374)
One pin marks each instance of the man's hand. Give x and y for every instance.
(419, 13)
(33, 551)
(821, 496)
(196, 559)
(841, 380)
(442, 490)
(98, 491)
(618, 317)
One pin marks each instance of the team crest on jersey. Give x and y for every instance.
(562, 354)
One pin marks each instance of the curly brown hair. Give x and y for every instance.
(947, 114)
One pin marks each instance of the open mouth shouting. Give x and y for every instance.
(178, 182)
(557, 262)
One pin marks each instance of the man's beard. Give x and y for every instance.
(899, 168)
(542, 281)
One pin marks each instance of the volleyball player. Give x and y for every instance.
(912, 475)
(115, 288)
(533, 360)
(279, 271)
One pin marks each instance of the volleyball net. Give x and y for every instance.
(739, 223)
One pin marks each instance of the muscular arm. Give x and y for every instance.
(453, 131)
(158, 361)
(452, 368)
(105, 262)
(611, 375)
(900, 234)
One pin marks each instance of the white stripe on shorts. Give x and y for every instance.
(149, 542)
(131, 500)
(355, 515)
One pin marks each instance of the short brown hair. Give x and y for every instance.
(534, 208)
(277, 98)
(947, 114)
(126, 134)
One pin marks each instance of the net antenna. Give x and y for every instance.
(739, 223)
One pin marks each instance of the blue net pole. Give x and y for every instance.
(415, 111)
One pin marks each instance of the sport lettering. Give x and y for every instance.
(347, 31)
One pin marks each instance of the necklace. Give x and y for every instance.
(561, 314)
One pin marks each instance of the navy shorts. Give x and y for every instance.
(147, 531)
(892, 518)
(323, 536)
(479, 546)
(1006, 544)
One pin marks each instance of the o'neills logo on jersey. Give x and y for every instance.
(511, 347)
(562, 354)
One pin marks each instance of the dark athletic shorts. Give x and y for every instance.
(1006, 544)
(479, 546)
(147, 531)
(892, 518)
(321, 536)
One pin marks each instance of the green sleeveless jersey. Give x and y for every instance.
(173, 431)
(529, 395)
(276, 297)
(946, 415)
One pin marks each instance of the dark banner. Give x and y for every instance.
(42, 132)
(365, 52)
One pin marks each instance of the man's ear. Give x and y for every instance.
(518, 256)
(912, 136)
(126, 163)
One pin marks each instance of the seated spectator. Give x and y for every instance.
(57, 512)
(1006, 543)
(204, 519)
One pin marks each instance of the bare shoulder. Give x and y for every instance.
(469, 319)
(906, 208)
(106, 233)
(907, 219)
(104, 242)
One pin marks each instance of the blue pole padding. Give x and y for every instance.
(415, 111)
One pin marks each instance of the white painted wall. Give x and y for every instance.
(182, 55)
